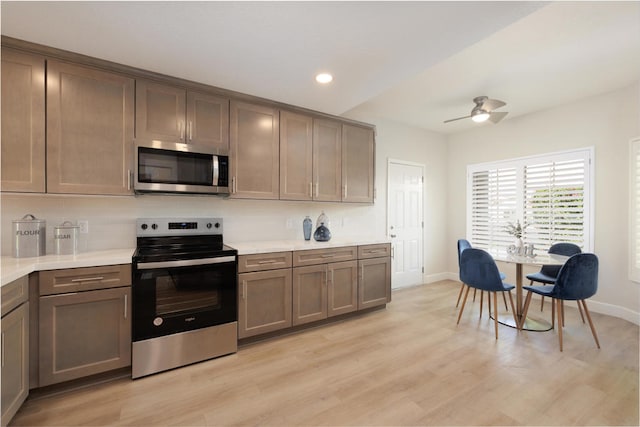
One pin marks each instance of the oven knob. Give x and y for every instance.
(154, 226)
(209, 225)
(157, 321)
(217, 225)
(144, 226)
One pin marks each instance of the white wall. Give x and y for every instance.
(607, 122)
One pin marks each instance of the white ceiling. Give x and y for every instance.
(418, 63)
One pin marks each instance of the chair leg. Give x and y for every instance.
(560, 316)
(562, 304)
(460, 294)
(474, 294)
(553, 313)
(542, 303)
(495, 310)
(527, 301)
(515, 316)
(593, 329)
(489, 302)
(580, 310)
(481, 300)
(464, 301)
(504, 297)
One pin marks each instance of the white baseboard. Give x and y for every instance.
(595, 306)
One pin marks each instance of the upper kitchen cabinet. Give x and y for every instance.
(23, 123)
(310, 158)
(327, 160)
(90, 120)
(254, 151)
(357, 164)
(296, 156)
(171, 113)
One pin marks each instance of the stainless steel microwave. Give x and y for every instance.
(174, 167)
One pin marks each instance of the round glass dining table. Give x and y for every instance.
(530, 323)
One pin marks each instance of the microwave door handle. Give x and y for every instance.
(216, 171)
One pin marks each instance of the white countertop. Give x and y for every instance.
(247, 248)
(14, 268)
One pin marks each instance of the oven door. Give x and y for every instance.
(183, 295)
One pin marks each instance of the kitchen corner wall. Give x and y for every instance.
(112, 218)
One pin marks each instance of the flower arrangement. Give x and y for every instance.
(516, 230)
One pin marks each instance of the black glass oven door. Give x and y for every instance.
(176, 296)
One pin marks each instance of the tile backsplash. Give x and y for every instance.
(112, 219)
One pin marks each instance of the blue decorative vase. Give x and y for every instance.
(322, 233)
(306, 228)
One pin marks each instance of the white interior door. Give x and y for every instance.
(406, 226)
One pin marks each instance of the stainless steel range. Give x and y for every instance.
(184, 300)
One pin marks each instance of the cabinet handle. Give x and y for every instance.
(244, 289)
(180, 130)
(2, 349)
(125, 306)
(316, 189)
(190, 130)
(311, 190)
(87, 279)
(267, 261)
(233, 185)
(344, 191)
(129, 179)
(362, 272)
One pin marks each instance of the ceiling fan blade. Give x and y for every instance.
(459, 118)
(495, 117)
(492, 104)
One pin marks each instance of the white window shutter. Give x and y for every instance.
(634, 214)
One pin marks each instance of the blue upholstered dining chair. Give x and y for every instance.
(548, 273)
(478, 270)
(576, 281)
(462, 245)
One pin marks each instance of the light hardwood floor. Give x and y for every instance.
(408, 364)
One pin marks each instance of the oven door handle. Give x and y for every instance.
(184, 262)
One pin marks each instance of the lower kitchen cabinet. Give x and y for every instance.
(309, 294)
(15, 361)
(84, 333)
(264, 304)
(374, 282)
(342, 288)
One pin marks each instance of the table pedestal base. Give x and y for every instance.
(530, 324)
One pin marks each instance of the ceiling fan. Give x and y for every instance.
(484, 111)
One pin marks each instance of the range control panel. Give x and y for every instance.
(147, 227)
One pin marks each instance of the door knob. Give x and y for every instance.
(393, 235)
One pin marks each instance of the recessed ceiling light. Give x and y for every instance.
(324, 78)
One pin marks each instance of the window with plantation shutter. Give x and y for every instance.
(634, 214)
(550, 195)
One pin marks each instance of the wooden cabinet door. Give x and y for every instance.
(296, 155)
(208, 121)
(254, 151)
(327, 160)
(15, 361)
(23, 123)
(342, 288)
(374, 282)
(309, 294)
(265, 302)
(357, 164)
(90, 120)
(160, 111)
(84, 333)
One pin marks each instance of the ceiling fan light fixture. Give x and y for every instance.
(480, 116)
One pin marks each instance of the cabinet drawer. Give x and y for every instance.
(260, 262)
(14, 294)
(84, 279)
(374, 251)
(324, 256)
